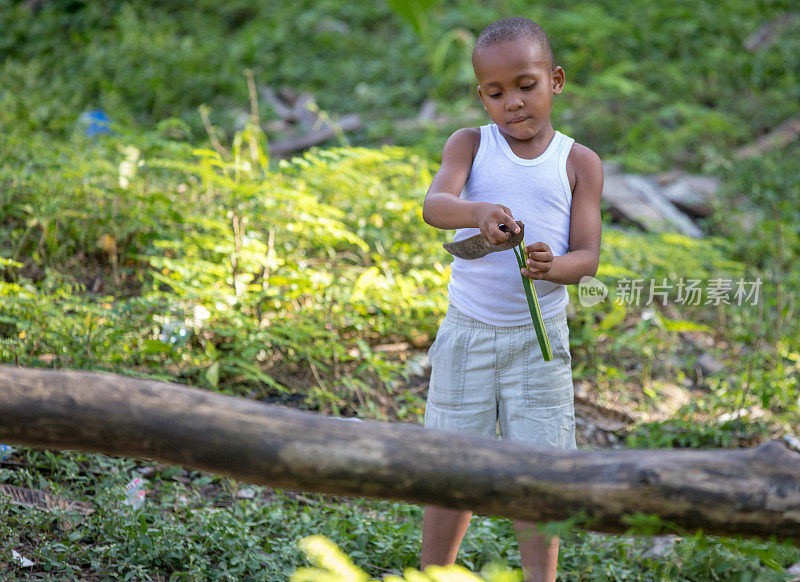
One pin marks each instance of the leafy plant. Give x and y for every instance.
(330, 564)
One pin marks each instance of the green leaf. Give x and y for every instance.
(151, 346)
(533, 306)
(413, 11)
(212, 374)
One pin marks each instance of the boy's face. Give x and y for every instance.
(517, 87)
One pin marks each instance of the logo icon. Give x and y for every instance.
(591, 291)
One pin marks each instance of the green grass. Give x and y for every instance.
(193, 526)
(651, 85)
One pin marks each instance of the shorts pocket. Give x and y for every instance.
(548, 395)
(549, 384)
(448, 357)
(432, 349)
(558, 427)
(560, 343)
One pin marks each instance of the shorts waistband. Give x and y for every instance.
(463, 320)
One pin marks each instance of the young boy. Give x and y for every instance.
(487, 367)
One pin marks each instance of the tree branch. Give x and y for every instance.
(753, 492)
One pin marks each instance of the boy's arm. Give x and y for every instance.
(585, 226)
(444, 209)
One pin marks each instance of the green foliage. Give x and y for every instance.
(447, 52)
(651, 85)
(331, 565)
(193, 526)
(761, 198)
(415, 12)
(262, 267)
(625, 336)
(596, 558)
(149, 61)
(686, 432)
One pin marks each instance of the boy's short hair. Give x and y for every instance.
(515, 28)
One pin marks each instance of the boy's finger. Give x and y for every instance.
(540, 266)
(509, 221)
(496, 236)
(537, 246)
(540, 256)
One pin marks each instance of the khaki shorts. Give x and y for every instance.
(489, 380)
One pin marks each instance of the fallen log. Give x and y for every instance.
(766, 33)
(690, 194)
(328, 130)
(640, 200)
(754, 492)
(781, 136)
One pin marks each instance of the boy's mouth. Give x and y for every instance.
(518, 118)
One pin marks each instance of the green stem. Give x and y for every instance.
(533, 305)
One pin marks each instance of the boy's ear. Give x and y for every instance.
(559, 78)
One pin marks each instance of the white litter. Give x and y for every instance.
(20, 559)
(246, 493)
(792, 441)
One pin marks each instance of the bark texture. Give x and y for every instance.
(753, 492)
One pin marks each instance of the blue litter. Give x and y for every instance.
(95, 122)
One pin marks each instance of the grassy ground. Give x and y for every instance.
(286, 277)
(196, 526)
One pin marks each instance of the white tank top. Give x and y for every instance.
(538, 193)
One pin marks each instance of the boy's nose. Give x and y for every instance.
(514, 102)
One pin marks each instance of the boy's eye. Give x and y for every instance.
(495, 95)
(528, 87)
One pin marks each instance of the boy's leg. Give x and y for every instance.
(461, 398)
(539, 558)
(536, 407)
(442, 532)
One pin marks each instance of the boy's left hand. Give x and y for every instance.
(539, 260)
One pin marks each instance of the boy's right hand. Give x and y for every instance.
(489, 217)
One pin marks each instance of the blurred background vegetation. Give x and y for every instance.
(174, 247)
